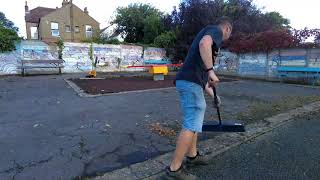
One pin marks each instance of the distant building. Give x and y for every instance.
(68, 22)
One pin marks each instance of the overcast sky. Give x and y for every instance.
(301, 13)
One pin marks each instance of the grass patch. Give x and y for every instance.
(261, 110)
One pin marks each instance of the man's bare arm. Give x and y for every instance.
(206, 51)
(205, 48)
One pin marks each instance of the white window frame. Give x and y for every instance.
(34, 33)
(55, 29)
(77, 29)
(66, 28)
(88, 29)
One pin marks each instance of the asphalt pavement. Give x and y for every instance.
(290, 152)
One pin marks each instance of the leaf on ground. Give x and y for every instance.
(162, 130)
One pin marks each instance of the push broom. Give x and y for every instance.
(222, 126)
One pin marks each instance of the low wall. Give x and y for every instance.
(265, 64)
(119, 57)
(76, 56)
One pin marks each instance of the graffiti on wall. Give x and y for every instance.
(294, 57)
(252, 64)
(132, 55)
(314, 62)
(292, 60)
(273, 63)
(154, 53)
(9, 63)
(106, 56)
(36, 54)
(226, 62)
(314, 59)
(109, 57)
(36, 50)
(76, 57)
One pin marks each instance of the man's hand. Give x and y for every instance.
(213, 80)
(216, 101)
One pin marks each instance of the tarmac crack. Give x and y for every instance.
(18, 168)
(82, 148)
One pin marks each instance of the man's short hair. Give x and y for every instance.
(224, 21)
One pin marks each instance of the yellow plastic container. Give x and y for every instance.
(159, 70)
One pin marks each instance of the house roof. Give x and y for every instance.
(35, 14)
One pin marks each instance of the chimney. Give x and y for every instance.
(64, 3)
(26, 7)
(86, 10)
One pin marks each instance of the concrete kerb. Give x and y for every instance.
(153, 168)
(81, 93)
(263, 79)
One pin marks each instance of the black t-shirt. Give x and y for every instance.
(193, 68)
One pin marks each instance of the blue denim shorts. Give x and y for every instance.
(193, 105)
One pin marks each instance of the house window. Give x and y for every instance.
(77, 29)
(88, 31)
(55, 29)
(68, 28)
(34, 32)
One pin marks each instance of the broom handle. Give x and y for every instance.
(216, 103)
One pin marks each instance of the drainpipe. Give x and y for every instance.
(71, 21)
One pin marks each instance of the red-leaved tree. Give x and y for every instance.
(269, 40)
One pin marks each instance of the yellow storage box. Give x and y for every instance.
(159, 70)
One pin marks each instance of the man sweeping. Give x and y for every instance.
(195, 76)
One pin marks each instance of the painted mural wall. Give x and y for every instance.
(253, 64)
(151, 53)
(314, 58)
(9, 63)
(155, 56)
(37, 50)
(119, 57)
(76, 57)
(132, 55)
(243, 64)
(107, 56)
(292, 57)
(227, 62)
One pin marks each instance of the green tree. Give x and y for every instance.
(165, 40)
(6, 23)
(8, 37)
(276, 21)
(91, 56)
(152, 28)
(8, 34)
(131, 22)
(60, 44)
